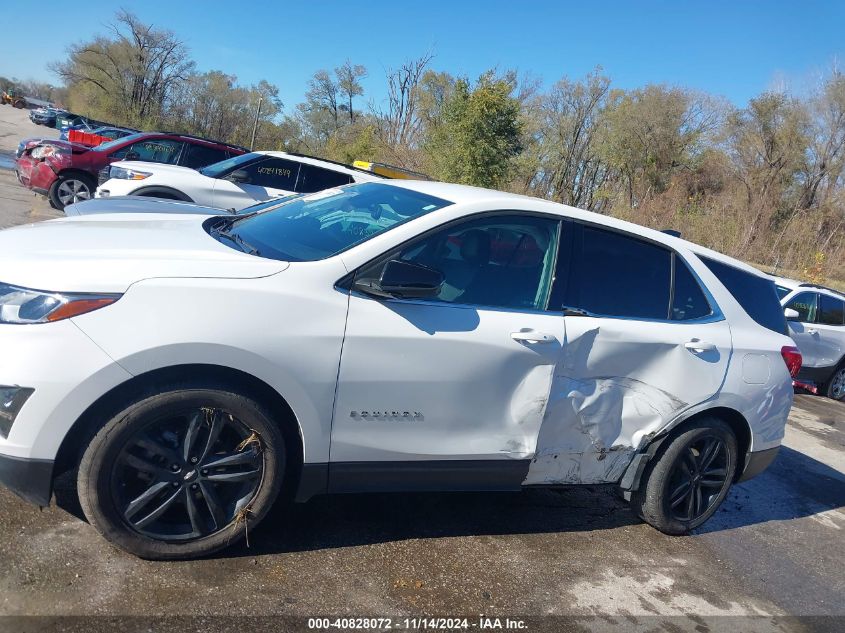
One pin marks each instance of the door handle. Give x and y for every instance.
(532, 336)
(699, 347)
(812, 331)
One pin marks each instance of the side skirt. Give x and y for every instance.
(414, 476)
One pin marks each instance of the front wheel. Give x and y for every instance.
(182, 474)
(70, 188)
(689, 478)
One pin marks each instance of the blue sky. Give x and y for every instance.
(733, 49)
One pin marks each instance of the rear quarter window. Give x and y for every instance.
(756, 294)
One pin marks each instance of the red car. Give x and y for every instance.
(67, 172)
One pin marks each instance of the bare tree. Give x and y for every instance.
(400, 125)
(349, 85)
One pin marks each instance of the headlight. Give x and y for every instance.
(128, 174)
(43, 151)
(22, 305)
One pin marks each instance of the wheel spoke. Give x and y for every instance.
(193, 512)
(160, 509)
(711, 450)
(194, 425)
(142, 500)
(142, 465)
(232, 459)
(213, 503)
(217, 424)
(699, 502)
(690, 505)
(679, 494)
(156, 448)
(246, 475)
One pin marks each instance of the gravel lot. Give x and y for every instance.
(775, 550)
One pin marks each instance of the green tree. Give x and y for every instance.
(479, 134)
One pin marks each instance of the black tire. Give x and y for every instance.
(71, 187)
(207, 509)
(657, 501)
(834, 388)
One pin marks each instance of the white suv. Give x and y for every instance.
(378, 337)
(817, 326)
(230, 184)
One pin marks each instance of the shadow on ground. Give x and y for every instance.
(794, 486)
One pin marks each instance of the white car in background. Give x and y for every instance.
(390, 336)
(230, 184)
(144, 204)
(816, 318)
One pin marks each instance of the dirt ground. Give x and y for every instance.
(774, 551)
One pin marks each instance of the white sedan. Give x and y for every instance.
(380, 336)
(230, 184)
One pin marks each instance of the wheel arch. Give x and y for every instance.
(97, 414)
(161, 191)
(75, 171)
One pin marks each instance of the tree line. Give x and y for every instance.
(764, 182)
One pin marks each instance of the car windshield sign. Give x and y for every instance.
(325, 223)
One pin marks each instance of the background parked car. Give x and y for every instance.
(144, 204)
(45, 116)
(67, 172)
(110, 131)
(233, 183)
(818, 329)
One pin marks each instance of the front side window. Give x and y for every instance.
(313, 179)
(314, 227)
(618, 275)
(805, 305)
(500, 261)
(275, 173)
(831, 310)
(154, 150)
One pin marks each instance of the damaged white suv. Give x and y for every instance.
(378, 337)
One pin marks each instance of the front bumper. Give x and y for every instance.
(757, 462)
(34, 174)
(30, 479)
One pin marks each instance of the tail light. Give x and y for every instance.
(792, 358)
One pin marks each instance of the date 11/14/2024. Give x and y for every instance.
(481, 623)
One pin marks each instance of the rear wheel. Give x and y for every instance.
(70, 188)
(182, 474)
(689, 478)
(835, 387)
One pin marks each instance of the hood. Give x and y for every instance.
(108, 253)
(158, 168)
(139, 204)
(76, 148)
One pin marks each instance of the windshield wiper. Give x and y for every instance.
(245, 246)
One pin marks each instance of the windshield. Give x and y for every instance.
(218, 169)
(326, 223)
(118, 141)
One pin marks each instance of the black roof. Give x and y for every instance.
(833, 290)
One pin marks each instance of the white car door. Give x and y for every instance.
(830, 326)
(269, 178)
(460, 376)
(803, 330)
(643, 343)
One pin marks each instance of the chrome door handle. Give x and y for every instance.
(532, 336)
(699, 347)
(811, 332)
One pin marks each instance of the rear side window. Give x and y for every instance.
(688, 300)
(805, 305)
(831, 310)
(313, 179)
(275, 173)
(756, 294)
(617, 275)
(201, 155)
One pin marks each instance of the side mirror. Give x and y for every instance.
(239, 175)
(403, 279)
(791, 315)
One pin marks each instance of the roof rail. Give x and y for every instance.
(328, 160)
(829, 289)
(390, 171)
(202, 138)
